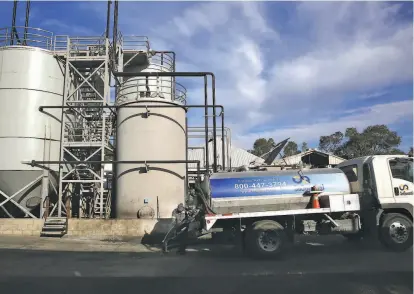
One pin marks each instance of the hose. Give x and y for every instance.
(203, 199)
(188, 221)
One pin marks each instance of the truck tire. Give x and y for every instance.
(265, 239)
(396, 232)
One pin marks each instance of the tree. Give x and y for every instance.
(331, 143)
(305, 147)
(374, 140)
(396, 151)
(290, 149)
(262, 146)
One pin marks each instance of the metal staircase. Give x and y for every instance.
(106, 205)
(87, 87)
(87, 126)
(54, 227)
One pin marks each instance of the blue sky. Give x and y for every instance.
(283, 69)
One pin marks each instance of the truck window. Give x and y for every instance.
(351, 172)
(366, 176)
(402, 169)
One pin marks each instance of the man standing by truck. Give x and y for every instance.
(181, 228)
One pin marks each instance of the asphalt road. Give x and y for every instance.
(309, 268)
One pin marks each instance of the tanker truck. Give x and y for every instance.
(362, 198)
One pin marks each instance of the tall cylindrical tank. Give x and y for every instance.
(159, 134)
(29, 77)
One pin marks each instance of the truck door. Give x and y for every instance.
(370, 193)
(401, 169)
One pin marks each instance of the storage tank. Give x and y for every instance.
(159, 134)
(271, 190)
(29, 77)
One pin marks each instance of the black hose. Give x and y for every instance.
(203, 199)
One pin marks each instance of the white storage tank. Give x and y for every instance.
(29, 77)
(156, 192)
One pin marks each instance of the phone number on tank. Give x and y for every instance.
(259, 185)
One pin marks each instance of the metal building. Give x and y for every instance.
(235, 157)
(311, 157)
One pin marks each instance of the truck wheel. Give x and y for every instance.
(265, 239)
(396, 232)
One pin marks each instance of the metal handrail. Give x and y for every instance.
(163, 60)
(79, 43)
(132, 87)
(26, 36)
(132, 42)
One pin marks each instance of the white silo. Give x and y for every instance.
(29, 77)
(161, 135)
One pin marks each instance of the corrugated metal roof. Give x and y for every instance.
(296, 159)
(238, 156)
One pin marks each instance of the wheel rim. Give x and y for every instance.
(269, 241)
(398, 232)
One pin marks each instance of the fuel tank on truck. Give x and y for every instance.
(255, 191)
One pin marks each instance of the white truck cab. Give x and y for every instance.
(386, 189)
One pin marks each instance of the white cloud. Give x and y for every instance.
(374, 95)
(68, 28)
(324, 56)
(387, 113)
(224, 38)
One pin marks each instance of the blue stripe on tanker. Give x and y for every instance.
(276, 185)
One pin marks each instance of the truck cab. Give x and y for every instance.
(385, 186)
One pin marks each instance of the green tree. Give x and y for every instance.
(373, 140)
(262, 146)
(331, 143)
(305, 147)
(410, 152)
(290, 149)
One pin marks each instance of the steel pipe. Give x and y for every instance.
(108, 18)
(74, 162)
(41, 108)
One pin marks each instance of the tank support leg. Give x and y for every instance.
(10, 198)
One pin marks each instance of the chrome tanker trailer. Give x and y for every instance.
(368, 196)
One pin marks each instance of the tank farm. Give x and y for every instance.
(94, 133)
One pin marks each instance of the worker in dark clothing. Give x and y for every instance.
(179, 216)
